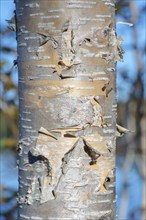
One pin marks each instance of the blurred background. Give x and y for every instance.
(131, 148)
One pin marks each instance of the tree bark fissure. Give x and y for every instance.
(67, 51)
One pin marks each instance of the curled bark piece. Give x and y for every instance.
(103, 176)
(120, 49)
(12, 20)
(107, 88)
(92, 152)
(98, 115)
(46, 132)
(46, 38)
(12, 27)
(121, 130)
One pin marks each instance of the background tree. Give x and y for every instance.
(8, 124)
(131, 148)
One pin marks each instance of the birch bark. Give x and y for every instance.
(67, 50)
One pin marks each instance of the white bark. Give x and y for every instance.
(66, 58)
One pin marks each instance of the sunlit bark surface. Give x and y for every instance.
(67, 51)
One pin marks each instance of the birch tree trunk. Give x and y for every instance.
(67, 50)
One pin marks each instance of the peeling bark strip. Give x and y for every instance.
(67, 51)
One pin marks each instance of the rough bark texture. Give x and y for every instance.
(67, 51)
